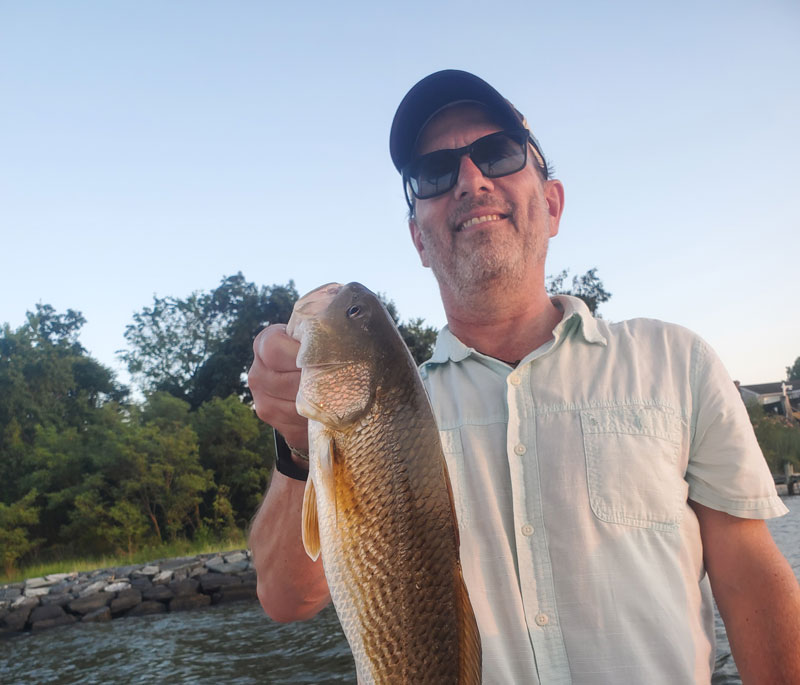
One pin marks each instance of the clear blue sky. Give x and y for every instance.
(154, 147)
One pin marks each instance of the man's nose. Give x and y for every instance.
(471, 179)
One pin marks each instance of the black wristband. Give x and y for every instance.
(283, 459)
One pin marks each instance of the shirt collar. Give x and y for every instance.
(448, 347)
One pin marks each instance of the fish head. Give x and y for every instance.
(345, 335)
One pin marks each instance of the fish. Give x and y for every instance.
(378, 506)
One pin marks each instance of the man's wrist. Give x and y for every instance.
(289, 460)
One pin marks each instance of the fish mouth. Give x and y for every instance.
(309, 307)
(479, 220)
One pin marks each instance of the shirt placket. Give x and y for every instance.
(535, 568)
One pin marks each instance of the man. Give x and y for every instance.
(602, 473)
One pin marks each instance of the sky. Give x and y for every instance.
(153, 148)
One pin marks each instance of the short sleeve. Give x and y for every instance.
(727, 470)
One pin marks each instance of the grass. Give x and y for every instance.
(178, 548)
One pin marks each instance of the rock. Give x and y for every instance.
(62, 587)
(148, 570)
(58, 577)
(93, 588)
(126, 571)
(43, 613)
(140, 583)
(58, 598)
(174, 564)
(36, 582)
(163, 577)
(22, 602)
(234, 593)
(216, 564)
(98, 616)
(36, 591)
(8, 594)
(127, 599)
(237, 566)
(87, 604)
(147, 608)
(233, 557)
(182, 588)
(214, 581)
(198, 571)
(16, 619)
(189, 602)
(117, 587)
(160, 593)
(64, 620)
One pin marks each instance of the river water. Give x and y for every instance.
(236, 643)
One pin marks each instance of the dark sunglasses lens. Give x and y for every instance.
(499, 155)
(434, 174)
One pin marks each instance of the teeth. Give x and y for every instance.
(480, 220)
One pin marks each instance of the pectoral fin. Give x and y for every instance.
(310, 521)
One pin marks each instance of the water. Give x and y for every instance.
(236, 643)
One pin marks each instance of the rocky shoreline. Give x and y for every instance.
(138, 590)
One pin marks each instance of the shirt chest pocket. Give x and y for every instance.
(633, 466)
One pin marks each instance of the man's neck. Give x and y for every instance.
(507, 328)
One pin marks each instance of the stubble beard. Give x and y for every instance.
(493, 259)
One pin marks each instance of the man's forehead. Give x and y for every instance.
(450, 120)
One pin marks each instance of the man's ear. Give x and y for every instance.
(416, 238)
(554, 196)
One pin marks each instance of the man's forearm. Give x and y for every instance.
(762, 619)
(757, 594)
(291, 587)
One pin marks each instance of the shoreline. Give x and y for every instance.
(106, 594)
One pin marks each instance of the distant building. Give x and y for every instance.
(776, 398)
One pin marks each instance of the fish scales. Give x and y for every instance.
(384, 512)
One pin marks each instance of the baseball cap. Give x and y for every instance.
(437, 91)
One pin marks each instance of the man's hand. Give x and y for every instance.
(291, 587)
(757, 594)
(274, 380)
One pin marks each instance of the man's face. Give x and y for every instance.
(483, 232)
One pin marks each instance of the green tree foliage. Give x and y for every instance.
(587, 287)
(161, 467)
(83, 470)
(201, 347)
(238, 448)
(793, 371)
(778, 438)
(15, 522)
(419, 338)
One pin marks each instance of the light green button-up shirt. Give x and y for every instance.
(571, 475)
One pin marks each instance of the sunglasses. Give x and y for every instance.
(498, 154)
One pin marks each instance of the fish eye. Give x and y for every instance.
(353, 311)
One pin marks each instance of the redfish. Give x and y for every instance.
(378, 504)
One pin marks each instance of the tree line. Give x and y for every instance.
(87, 469)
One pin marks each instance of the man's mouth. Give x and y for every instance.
(474, 221)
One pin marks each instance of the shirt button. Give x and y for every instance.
(520, 449)
(527, 530)
(542, 620)
(514, 380)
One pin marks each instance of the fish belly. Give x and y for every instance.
(390, 553)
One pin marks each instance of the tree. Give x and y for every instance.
(201, 347)
(15, 540)
(160, 469)
(418, 337)
(587, 287)
(238, 448)
(778, 438)
(793, 371)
